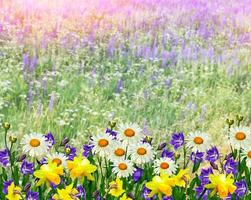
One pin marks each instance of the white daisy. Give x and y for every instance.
(247, 154)
(102, 144)
(165, 165)
(198, 141)
(141, 153)
(58, 158)
(240, 137)
(123, 168)
(35, 145)
(129, 133)
(118, 151)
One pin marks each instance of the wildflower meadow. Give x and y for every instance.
(125, 99)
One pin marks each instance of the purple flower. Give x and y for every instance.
(32, 195)
(167, 198)
(111, 132)
(50, 139)
(199, 191)
(196, 157)
(204, 175)
(177, 140)
(212, 154)
(81, 192)
(27, 168)
(169, 154)
(230, 166)
(145, 194)
(6, 184)
(4, 158)
(137, 174)
(242, 188)
(71, 152)
(87, 150)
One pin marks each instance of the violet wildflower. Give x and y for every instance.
(212, 154)
(167, 198)
(230, 166)
(87, 148)
(71, 152)
(204, 175)
(6, 184)
(32, 195)
(81, 192)
(145, 194)
(199, 193)
(50, 139)
(196, 157)
(177, 140)
(137, 174)
(169, 154)
(4, 158)
(111, 132)
(242, 188)
(27, 167)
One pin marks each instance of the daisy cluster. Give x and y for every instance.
(123, 163)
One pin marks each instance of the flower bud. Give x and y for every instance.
(239, 118)
(230, 122)
(130, 195)
(214, 166)
(176, 155)
(95, 194)
(13, 139)
(161, 146)
(6, 125)
(67, 150)
(21, 158)
(27, 187)
(64, 141)
(148, 139)
(112, 124)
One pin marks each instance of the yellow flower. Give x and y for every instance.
(81, 167)
(49, 173)
(161, 185)
(116, 188)
(14, 192)
(69, 193)
(182, 178)
(221, 184)
(124, 197)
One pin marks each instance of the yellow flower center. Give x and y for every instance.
(141, 151)
(119, 152)
(164, 165)
(129, 132)
(57, 161)
(249, 154)
(198, 140)
(103, 143)
(34, 142)
(122, 166)
(240, 136)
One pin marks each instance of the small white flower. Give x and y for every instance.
(240, 137)
(141, 153)
(198, 141)
(165, 165)
(102, 144)
(35, 145)
(123, 168)
(129, 133)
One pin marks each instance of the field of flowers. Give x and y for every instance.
(125, 99)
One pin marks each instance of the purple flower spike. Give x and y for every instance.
(4, 158)
(6, 184)
(230, 166)
(169, 154)
(196, 157)
(212, 154)
(27, 168)
(137, 174)
(50, 139)
(177, 140)
(199, 190)
(32, 195)
(242, 188)
(204, 175)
